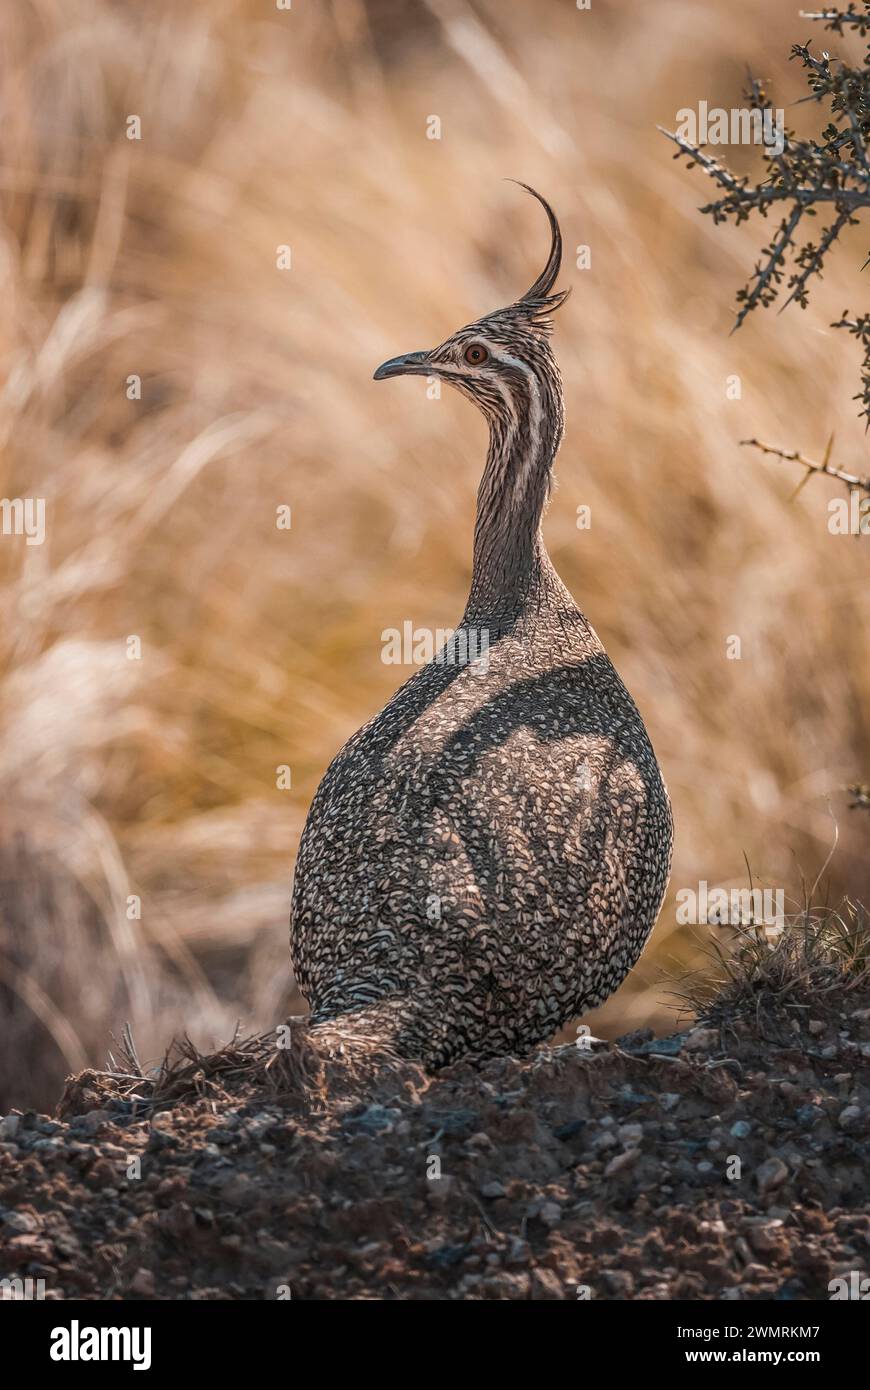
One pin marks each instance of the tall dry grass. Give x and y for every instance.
(261, 647)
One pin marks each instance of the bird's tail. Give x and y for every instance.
(366, 1047)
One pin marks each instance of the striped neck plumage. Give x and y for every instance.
(504, 365)
(510, 564)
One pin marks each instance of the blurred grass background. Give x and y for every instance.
(261, 647)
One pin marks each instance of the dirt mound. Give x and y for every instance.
(712, 1164)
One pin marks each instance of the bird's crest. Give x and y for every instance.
(537, 301)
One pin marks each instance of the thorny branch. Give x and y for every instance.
(802, 176)
(852, 480)
(853, 483)
(839, 20)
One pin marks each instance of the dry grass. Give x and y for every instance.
(262, 647)
(308, 1066)
(820, 959)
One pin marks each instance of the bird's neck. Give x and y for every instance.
(511, 569)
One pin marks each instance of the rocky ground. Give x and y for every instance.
(714, 1164)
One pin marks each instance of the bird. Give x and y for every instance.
(484, 860)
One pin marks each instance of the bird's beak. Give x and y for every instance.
(410, 364)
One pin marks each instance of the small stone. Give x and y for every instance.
(702, 1040)
(618, 1281)
(772, 1174)
(91, 1122)
(546, 1285)
(259, 1124)
(114, 1151)
(519, 1252)
(715, 1228)
(480, 1140)
(375, 1119)
(221, 1134)
(142, 1283)
(492, 1190)
(621, 1162)
(669, 1100)
(816, 1026)
(47, 1147)
(9, 1126)
(850, 1117)
(631, 1134)
(603, 1141)
(763, 1235)
(569, 1130)
(27, 1250)
(20, 1222)
(741, 1129)
(550, 1214)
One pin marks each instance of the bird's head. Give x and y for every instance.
(503, 362)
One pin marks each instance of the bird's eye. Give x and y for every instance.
(476, 354)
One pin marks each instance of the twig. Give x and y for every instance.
(835, 19)
(814, 266)
(770, 272)
(710, 166)
(852, 480)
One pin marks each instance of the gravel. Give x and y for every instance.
(724, 1166)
